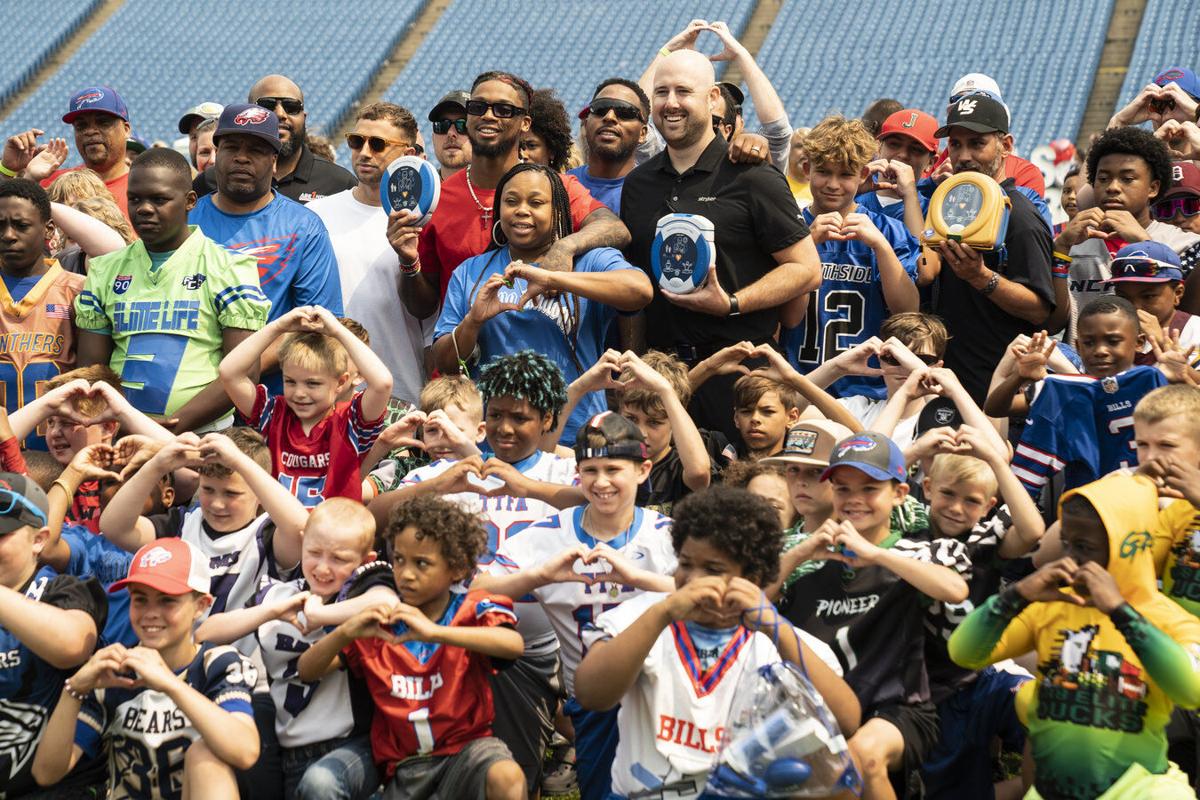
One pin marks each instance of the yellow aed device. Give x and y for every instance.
(970, 208)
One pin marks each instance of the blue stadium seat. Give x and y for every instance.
(25, 52)
(825, 56)
(1167, 39)
(166, 57)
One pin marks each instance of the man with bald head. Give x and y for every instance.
(299, 174)
(766, 262)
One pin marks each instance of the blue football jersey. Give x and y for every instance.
(849, 307)
(29, 686)
(1082, 425)
(870, 201)
(94, 556)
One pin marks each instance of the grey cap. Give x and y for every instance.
(457, 98)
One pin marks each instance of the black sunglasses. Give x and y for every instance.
(624, 110)
(925, 358)
(290, 105)
(477, 108)
(441, 126)
(378, 144)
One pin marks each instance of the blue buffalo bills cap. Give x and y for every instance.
(1182, 77)
(1146, 262)
(250, 119)
(96, 98)
(869, 452)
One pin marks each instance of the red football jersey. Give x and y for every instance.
(323, 463)
(430, 699)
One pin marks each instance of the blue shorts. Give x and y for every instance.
(961, 762)
(595, 748)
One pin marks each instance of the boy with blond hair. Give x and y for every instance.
(317, 445)
(869, 260)
(322, 727)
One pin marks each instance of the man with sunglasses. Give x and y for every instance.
(300, 174)
(463, 224)
(614, 125)
(367, 264)
(450, 143)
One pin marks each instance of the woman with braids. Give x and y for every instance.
(522, 394)
(501, 301)
(548, 140)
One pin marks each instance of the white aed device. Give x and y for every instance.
(410, 184)
(683, 252)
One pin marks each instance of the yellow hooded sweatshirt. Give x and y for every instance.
(1106, 684)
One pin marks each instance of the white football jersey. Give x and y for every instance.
(573, 606)
(326, 705)
(673, 718)
(507, 515)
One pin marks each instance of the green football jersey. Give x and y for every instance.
(166, 324)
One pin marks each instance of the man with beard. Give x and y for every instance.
(100, 120)
(450, 143)
(299, 174)
(987, 299)
(766, 261)
(614, 124)
(462, 226)
(367, 265)
(296, 265)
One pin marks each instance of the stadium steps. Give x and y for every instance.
(99, 15)
(1123, 27)
(406, 45)
(754, 34)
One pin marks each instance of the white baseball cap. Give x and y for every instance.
(976, 82)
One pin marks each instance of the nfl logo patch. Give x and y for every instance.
(121, 284)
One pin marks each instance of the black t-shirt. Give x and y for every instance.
(980, 330)
(313, 177)
(753, 214)
(665, 486)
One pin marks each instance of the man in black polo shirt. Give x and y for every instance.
(299, 174)
(986, 299)
(766, 260)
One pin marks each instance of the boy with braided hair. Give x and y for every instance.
(518, 484)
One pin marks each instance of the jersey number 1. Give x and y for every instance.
(424, 731)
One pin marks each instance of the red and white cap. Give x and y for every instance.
(172, 566)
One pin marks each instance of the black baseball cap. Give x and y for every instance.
(735, 91)
(622, 439)
(250, 119)
(940, 412)
(22, 502)
(976, 112)
(453, 99)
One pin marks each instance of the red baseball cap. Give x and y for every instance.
(172, 566)
(1185, 180)
(916, 125)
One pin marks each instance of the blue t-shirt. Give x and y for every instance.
(606, 190)
(569, 329)
(94, 556)
(849, 307)
(19, 287)
(296, 265)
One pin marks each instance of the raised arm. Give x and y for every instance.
(376, 374)
(93, 236)
(62, 637)
(783, 372)
(243, 361)
(121, 521)
(697, 466)
(623, 289)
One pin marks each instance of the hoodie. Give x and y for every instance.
(1106, 684)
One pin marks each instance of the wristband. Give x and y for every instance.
(1063, 257)
(411, 269)
(6, 171)
(71, 693)
(663, 51)
(991, 285)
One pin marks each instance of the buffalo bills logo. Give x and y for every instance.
(194, 281)
(154, 557)
(1169, 75)
(88, 98)
(121, 284)
(859, 444)
(251, 116)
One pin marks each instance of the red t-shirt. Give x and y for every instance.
(430, 699)
(323, 463)
(117, 187)
(458, 231)
(1015, 167)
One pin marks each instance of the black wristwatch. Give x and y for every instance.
(733, 306)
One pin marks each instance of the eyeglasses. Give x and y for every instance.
(17, 505)
(290, 105)
(477, 108)
(624, 110)
(889, 360)
(378, 144)
(441, 126)
(1165, 210)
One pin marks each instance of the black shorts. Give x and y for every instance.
(918, 725)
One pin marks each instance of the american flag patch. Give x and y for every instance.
(58, 311)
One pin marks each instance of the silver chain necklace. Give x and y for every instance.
(486, 212)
